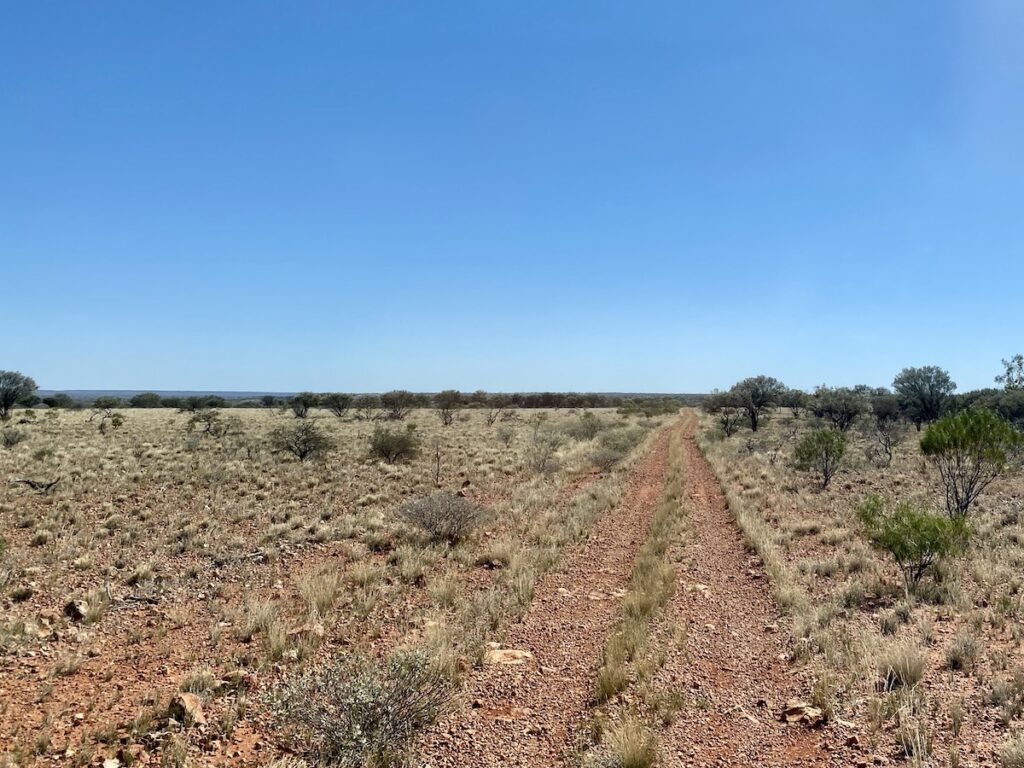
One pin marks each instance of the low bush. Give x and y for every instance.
(586, 427)
(821, 451)
(621, 439)
(353, 712)
(916, 537)
(605, 459)
(11, 437)
(444, 516)
(393, 445)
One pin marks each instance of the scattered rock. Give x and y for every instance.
(309, 630)
(507, 656)
(76, 609)
(797, 711)
(187, 708)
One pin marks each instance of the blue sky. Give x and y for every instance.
(517, 196)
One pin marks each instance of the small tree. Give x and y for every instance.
(366, 407)
(970, 449)
(840, 406)
(445, 516)
(821, 451)
(924, 393)
(796, 400)
(1012, 376)
(916, 537)
(302, 402)
(145, 400)
(60, 400)
(397, 403)
(446, 403)
(337, 403)
(497, 406)
(393, 445)
(210, 423)
(725, 407)
(756, 396)
(14, 387)
(885, 424)
(304, 440)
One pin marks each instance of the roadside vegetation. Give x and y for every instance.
(181, 584)
(891, 526)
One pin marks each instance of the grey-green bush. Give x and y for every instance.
(354, 712)
(444, 516)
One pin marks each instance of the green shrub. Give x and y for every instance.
(353, 712)
(621, 439)
(11, 437)
(302, 402)
(970, 449)
(821, 451)
(916, 537)
(586, 427)
(304, 440)
(393, 445)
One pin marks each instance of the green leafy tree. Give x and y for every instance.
(840, 406)
(916, 537)
(14, 387)
(303, 440)
(59, 400)
(398, 403)
(302, 402)
(446, 403)
(337, 403)
(756, 396)
(970, 449)
(1012, 376)
(924, 393)
(821, 452)
(145, 400)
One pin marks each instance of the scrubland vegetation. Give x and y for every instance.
(200, 584)
(891, 525)
(313, 581)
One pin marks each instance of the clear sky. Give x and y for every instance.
(509, 196)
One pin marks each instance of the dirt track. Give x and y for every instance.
(734, 660)
(732, 669)
(529, 714)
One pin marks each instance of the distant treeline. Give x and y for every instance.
(396, 399)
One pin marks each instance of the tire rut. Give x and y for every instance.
(530, 714)
(733, 668)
